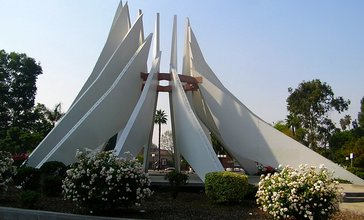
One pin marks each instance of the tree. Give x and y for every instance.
(310, 104)
(160, 118)
(22, 123)
(284, 128)
(44, 119)
(20, 140)
(55, 114)
(361, 114)
(18, 75)
(345, 122)
(167, 142)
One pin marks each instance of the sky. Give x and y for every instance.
(258, 49)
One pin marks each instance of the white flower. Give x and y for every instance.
(95, 168)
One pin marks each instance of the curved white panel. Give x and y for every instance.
(190, 137)
(119, 29)
(136, 133)
(107, 76)
(108, 114)
(247, 136)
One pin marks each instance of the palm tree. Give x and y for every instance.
(55, 114)
(160, 118)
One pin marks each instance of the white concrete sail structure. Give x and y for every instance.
(190, 138)
(246, 136)
(120, 27)
(105, 117)
(137, 131)
(114, 100)
(120, 57)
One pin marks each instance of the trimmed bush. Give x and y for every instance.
(28, 178)
(102, 181)
(28, 198)
(52, 185)
(52, 174)
(226, 187)
(251, 192)
(53, 168)
(176, 179)
(357, 171)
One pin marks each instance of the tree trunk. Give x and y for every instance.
(159, 146)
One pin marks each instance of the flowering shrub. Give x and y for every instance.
(19, 158)
(264, 170)
(7, 170)
(307, 193)
(103, 181)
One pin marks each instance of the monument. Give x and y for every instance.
(119, 100)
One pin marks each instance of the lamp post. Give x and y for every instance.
(351, 159)
(347, 159)
(153, 165)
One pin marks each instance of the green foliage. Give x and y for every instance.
(52, 185)
(361, 113)
(357, 171)
(52, 175)
(284, 128)
(53, 168)
(342, 143)
(18, 140)
(18, 75)
(160, 118)
(345, 122)
(29, 198)
(339, 139)
(22, 123)
(176, 179)
(140, 158)
(251, 192)
(226, 187)
(343, 181)
(308, 105)
(28, 178)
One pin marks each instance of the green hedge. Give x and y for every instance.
(28, 178)
(357, 171)
(53, 168)
(226, 187)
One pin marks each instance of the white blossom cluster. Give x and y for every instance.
(7, 170)
(306, 193)
(102, 181)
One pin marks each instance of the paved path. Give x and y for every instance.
(352, 206)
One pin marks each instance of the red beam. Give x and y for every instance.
(167, 76)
